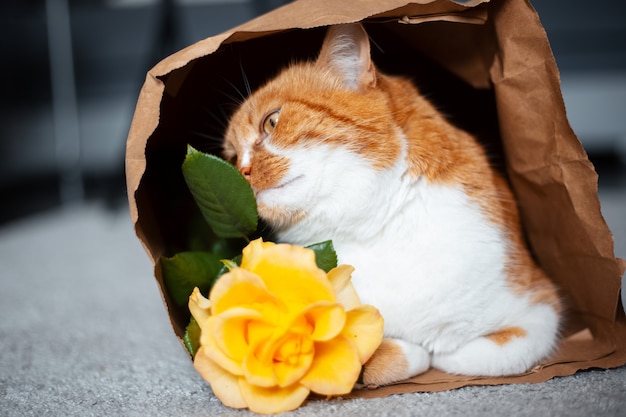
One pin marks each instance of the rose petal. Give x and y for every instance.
(258, 364)
(291, 275)
(229, 331)
(217, 353)
(272, 400)
(335, 369)
(238, 288)
(299, 323)
(327, 318)
(199, 306)
(292, 359)
(253, 252)
(225, 385)
(264, 336)
(340, 279)
(364, 327)
(261, 331)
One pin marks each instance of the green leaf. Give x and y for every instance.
(224, 196)
(325, 255)
(200, 236)
(191, 339)
(187, 270)
(227, 248)
(229, 264)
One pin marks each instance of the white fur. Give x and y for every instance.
(482, 356)
(246, 157)
(425, 256)
(418, 358)
(347, 53)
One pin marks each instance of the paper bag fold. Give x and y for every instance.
(488, 64)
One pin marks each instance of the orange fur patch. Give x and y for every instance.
(315, 110)
(267, 169)
(504, 336)
(358, 122)
(446, 155)
(387, 365)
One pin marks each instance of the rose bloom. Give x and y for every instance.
(278, 327)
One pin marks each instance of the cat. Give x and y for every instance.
(335, 149)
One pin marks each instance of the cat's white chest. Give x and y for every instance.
(432, 269)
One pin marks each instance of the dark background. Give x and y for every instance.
(71, 73)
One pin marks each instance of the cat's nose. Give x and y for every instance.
(245, 171)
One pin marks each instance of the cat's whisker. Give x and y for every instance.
(246, 82)
(221, 122)
(216, 139)
(242, 97)
(231, 97)
(373, 42)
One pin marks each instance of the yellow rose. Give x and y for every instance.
(278, 327)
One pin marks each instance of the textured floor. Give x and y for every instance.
(83, 332)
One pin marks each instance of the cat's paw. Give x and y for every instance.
(394, 360)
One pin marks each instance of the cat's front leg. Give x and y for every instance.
(393, 361)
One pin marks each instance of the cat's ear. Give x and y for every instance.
(346, 52)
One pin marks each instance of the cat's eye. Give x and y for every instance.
(270, 121)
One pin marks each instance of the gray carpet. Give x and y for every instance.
(83, 332)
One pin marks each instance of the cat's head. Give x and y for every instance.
(312, 140)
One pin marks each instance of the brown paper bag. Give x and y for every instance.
(487, 63)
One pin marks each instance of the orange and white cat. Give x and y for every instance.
(333, 149)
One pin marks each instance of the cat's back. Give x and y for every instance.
(460, 215)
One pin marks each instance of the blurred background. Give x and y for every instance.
(72, 72)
